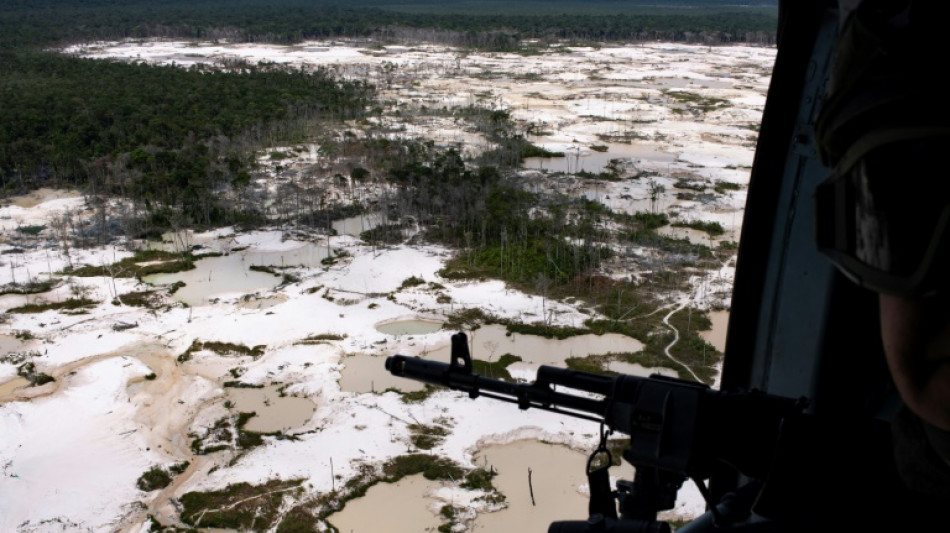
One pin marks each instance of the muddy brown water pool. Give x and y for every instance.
(717, 335)
(401, 507)
(408, 506)
(409, 327)
(490, 342)
(273, 411)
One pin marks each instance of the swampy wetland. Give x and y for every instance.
(210, 356)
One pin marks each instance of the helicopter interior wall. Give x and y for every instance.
(781, 299)
(797, 327)
(809, 332)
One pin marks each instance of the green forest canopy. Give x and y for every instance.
(26, 21)
(171, 137)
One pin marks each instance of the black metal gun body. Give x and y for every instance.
(675, 426)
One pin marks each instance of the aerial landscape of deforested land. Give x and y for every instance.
(218, 220)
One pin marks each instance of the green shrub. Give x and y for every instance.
(418, 396)
(153, 479)
(723, 186)
(426, 437)
(240, 506)
(31, 230)
(479, 479)
(146, 299)
(70, 304)
(412, 281)
(430, 466)
(28, 372)
(33, 287)
(714, 229)
(495, 369)
(155, 262)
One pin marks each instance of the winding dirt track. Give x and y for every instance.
(161, 417)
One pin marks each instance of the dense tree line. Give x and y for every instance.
(503, 230)
(463, 23)
(176, 139)
(166, 136)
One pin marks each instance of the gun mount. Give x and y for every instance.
(678, 430)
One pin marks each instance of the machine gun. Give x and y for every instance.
(678, 430)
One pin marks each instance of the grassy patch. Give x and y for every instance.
(532, 150)
(265, 269)
(416, 396)
(467, 319)
(146, 299)
(71, 304)
(384, 233)
(642, 220)
(241, 385)
(605, 175)
(31, 230)
(703, 103)
(143, 263)
(228, 433)
(412, 281)
(221, 348)
(218, 437)
(298, 520)
(457, 269)
(322, 337)
(18, 358)
(495, 369)
(691, 349)
(174, 287)
(33, 287)
(430, 466)
(158, 477)
(697, 186)
(714, 229)
(153, 479)
(723, 186)
(28, 372)
(426, 437)
(240, 506)
(541, 329)
(594, 364)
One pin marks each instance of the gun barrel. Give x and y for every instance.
(540, 394)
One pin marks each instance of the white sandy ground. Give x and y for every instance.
(70, 458)
(71, 451)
